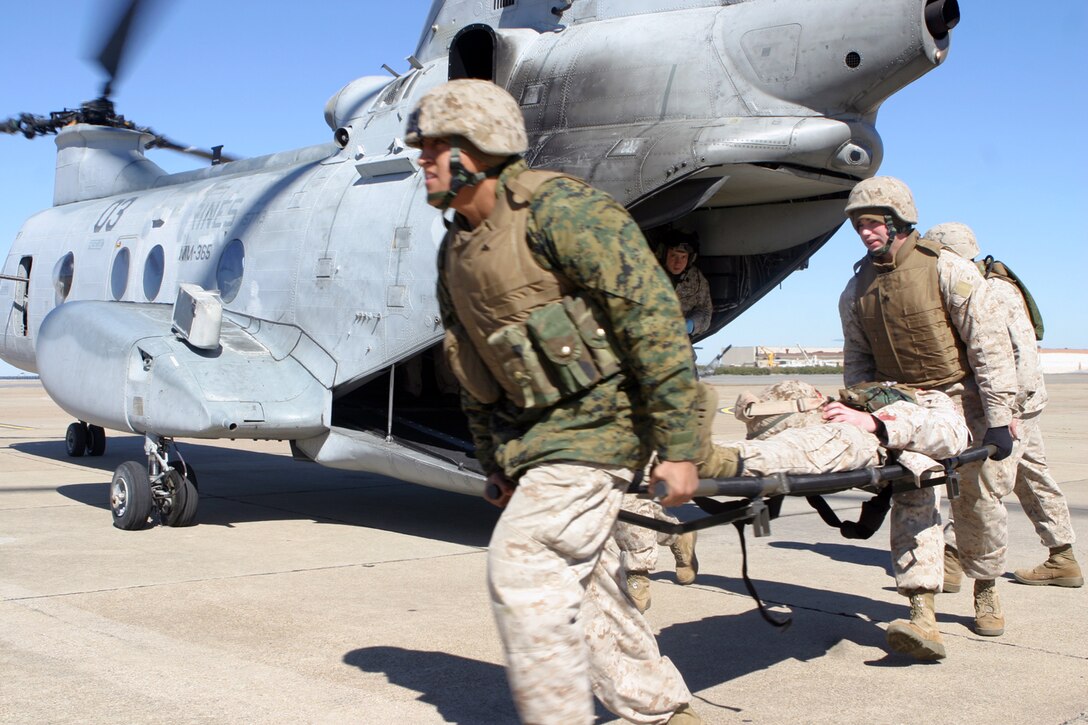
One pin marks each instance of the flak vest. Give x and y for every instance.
(524, 331)
(903, 316)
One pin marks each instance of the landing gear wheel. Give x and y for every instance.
(96, 440)
(130, 496)
(187, 470)
(179, 506)
(75, 439)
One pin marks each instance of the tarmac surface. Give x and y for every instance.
(306, 595)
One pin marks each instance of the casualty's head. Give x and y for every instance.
(467, 131)
(882, 211)
(680, 251)
(955, 237)
(788, 404)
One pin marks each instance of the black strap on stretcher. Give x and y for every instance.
(758, 499)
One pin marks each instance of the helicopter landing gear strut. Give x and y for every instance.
(163, 485)
(82, 439)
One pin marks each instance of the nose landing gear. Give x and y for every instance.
(162, 485)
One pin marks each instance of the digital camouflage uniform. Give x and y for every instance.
(553, 567)
(1039, 494)
(985, 396)
(1025, 472)
(693, 291)
(916, 434)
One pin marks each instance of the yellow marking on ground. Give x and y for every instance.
(11, 426)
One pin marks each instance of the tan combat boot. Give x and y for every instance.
(1060, 570)
(713, 461)
(918, 637)
(953, 572)
(638, 589)
(989, 619)
(685, 716)
(687, 564)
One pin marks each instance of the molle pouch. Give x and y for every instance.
(526, 382)
(468, 368)
(593, 334)
(871, 397)
(566, 357)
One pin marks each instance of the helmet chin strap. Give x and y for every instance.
(893, 231)
(460, 177)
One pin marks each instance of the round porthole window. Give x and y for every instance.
(119, 273)
(153, 271)
(228, 275)
(63, 272)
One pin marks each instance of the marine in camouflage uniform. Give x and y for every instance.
(819, 436)
(678, 255)
(565, 400)
(923, 316)
(1025, 472)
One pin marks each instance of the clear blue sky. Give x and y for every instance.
(990, 138)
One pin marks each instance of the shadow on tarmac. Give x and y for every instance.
(708, 652)
(461, 689)
(238, 486)
(860, 555)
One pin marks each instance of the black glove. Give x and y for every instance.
(1002, 439)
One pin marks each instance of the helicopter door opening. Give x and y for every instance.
(472, 53)
(22, 301)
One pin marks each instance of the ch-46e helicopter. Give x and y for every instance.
(291, 296)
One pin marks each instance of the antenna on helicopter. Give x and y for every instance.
(100, 111)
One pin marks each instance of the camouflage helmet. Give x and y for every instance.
(788, 404)
(884, 193)
(956, 238)
(476, 110)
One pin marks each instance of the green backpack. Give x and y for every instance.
(990, 267)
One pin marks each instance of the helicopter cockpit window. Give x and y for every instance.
(228, 275)
(153, 271)
(119, 273)
(63, 273)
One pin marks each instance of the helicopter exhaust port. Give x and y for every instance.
(941, 17)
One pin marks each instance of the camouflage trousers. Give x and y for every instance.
(917, 541)
(978, 523)
(1025, 473)
(638, 545)
(568, 629)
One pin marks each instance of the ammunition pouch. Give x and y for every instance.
(561, 350)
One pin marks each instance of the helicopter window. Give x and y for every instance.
(119, 273)
(228, 275)
(153, 271)
(63, 273)
(22, 302)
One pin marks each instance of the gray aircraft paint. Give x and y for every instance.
(747, 122)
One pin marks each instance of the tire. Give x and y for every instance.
(130, 496)
(75, 439)
(180, 508)
(96, 440)
(186, 470)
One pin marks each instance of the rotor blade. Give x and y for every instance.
(214, 155)
(113, 49)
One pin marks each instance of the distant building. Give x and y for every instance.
(1064, 361)
(763, 356)
(1055, 361)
